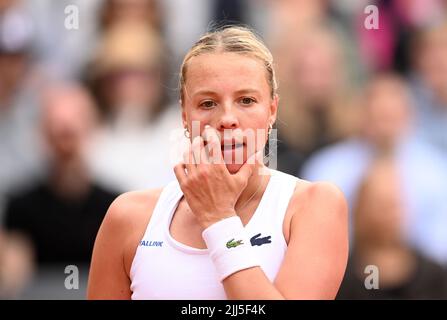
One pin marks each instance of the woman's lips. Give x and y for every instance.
(228, 145)
(233, 146)
(232, 151)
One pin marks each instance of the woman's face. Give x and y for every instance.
(229, 92)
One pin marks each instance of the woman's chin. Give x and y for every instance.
(233, 168)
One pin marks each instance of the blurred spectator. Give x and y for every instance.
(148, 12)
(128, 72)
(16, 264)
(186, 21)
(389, 46)
(230, 12)
(20, 158)
(316, 106)
(294, 18)
(379, 216)
(297, 15)
(62, 214)
(429, 85)
(65, 34)
(386, 128)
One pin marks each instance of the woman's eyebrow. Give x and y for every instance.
(248, 90)
(205, 92)
(208, 92)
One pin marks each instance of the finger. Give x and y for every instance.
(188, 159)
(198, 150)
(248, 167)
(180, 174)
(203, 153)
(214, 146)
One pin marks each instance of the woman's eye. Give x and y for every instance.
(247, 100)
(207, 104)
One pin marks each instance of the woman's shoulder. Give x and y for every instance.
(130, 207)
(311, 191)
(317, 208)
(127, 219)
(319, 189)
(309, 188)
(319, 194)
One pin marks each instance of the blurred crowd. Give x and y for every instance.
(89, 109)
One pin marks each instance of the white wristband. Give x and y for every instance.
(229, 246)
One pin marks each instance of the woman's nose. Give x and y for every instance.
(228, 118)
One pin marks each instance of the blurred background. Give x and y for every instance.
(89, 104)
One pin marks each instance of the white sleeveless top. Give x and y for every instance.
(164, 268)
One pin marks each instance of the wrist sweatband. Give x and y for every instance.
(229, 246)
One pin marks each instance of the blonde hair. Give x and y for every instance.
(231, 39)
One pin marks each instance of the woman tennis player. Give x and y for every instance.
(224, 229)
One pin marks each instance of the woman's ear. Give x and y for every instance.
(184, 122)
(274, 109)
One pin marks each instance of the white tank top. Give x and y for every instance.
(164, 268)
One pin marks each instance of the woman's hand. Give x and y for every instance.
(209, 188)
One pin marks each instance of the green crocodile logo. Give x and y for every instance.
(234, 244)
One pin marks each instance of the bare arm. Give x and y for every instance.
(316, 258)
(107, 277)
(116, 243)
